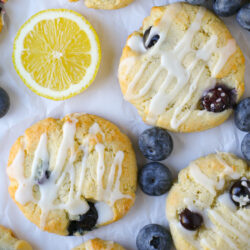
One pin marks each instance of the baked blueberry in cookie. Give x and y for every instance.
(240, 192)
(218, 99)
(190, 220)
(208, 206)
(173, 68)
(72, 175)
(153, 237)
(85, 223)
(148, 39)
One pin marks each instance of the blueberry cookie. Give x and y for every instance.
(182, 70)
(209, 206)
(72, 175)
(98, 244)
(106, 4)
(2, 12)
(8, 241)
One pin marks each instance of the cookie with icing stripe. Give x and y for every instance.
(2, 12)
(106, 4)
(209, 206)
(8, 241)
(72, 175)
(98, 244)
(182, 70)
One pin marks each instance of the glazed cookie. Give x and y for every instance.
(9, 242)
(72, 175)
(98, 244)
(209, 206)
(106, 4)
(182, 70)
(2, 11)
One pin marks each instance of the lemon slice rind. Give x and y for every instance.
(95, 53)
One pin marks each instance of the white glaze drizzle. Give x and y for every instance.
(136, 42)
(226, 239)
(75, 204)
(205, 243)
(171, 60)
(202, 179)
(227, 226)
(224, 199)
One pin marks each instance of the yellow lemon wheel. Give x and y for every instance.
(57, 53)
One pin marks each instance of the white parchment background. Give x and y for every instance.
(102, 98)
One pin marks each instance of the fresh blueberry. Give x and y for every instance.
(155, 144)
(245, 147)
(243, 16)
(86, 222)
(240, 192)
(242, 115)
(150, 41)
(190, 220)
(218, 99)
(198, 2)
(155, 179)
(227, 8)
(4, 102)
(153, 237)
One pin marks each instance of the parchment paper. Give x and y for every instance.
(102, 98)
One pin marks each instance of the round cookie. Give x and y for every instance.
(182, 70)
(71, 175)
(106, 4)
(98, 244)
(201, 211)
(8, 241)
(2, 11)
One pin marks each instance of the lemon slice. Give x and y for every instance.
(57, 53)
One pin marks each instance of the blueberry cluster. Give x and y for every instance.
(242, 121)
(155, 179)
(226, 8)
(155, 144)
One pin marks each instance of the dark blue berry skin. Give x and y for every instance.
(153, 237)
(242, 115)
(197, 2)
(86, 223)
(245, 146)
(155, 144)
(155, 179)
(4, 102)
(243, 17)
(152, 42)
(227, 8)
